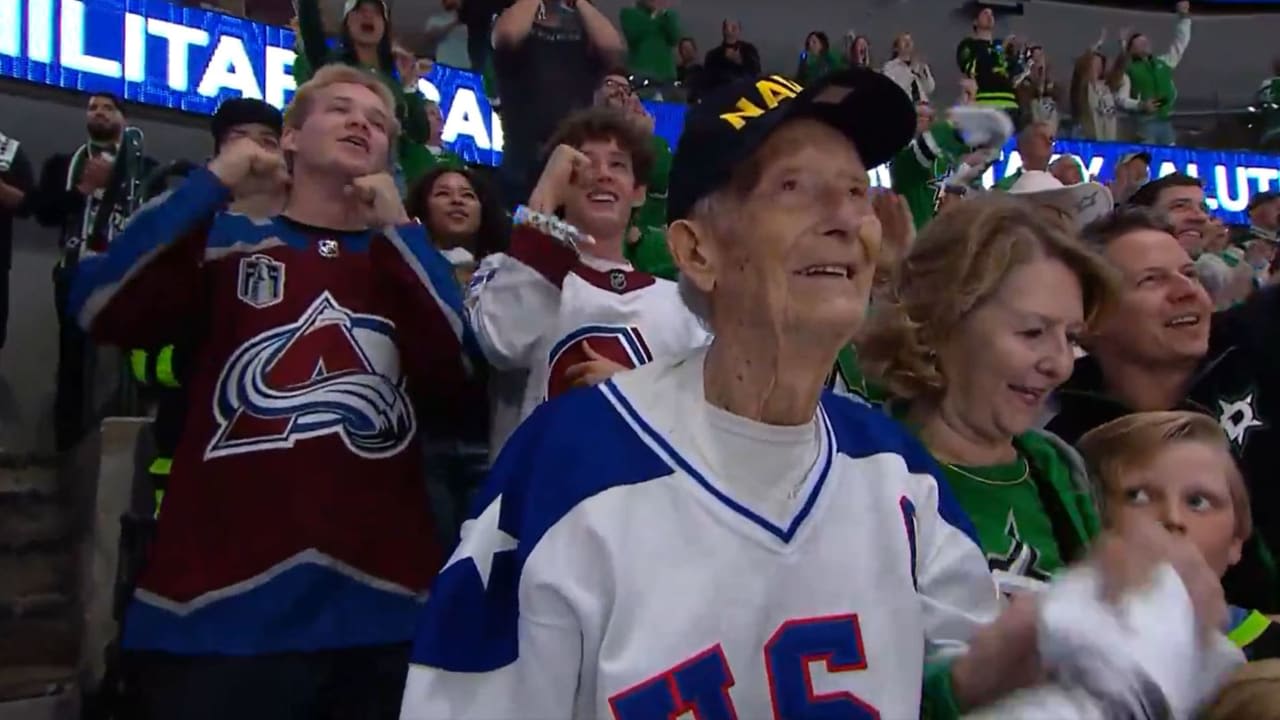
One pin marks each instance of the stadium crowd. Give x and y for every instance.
(621, 430)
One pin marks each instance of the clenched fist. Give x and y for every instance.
(247, 168)
(553, 186)
(376, 200)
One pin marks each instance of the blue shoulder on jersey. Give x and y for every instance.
(862, 430)
(570, 449)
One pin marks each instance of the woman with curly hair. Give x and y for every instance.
(462, 215)
(978, 327)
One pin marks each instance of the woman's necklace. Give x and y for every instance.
(1026, 472)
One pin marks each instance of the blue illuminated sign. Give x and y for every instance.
(157, 53)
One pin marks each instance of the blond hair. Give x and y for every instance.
(339, 74)
(1112, 449)
(959, 262)
(1251, 693)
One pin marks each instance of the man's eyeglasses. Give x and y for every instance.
(618, 86)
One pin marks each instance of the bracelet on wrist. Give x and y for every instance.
(550, 225)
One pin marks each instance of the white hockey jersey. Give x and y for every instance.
(534, 308)
(608, 575)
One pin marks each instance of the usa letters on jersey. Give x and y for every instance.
(610, 576)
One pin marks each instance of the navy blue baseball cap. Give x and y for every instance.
(733, 121)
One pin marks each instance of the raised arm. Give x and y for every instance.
(511, 27)
(310, 43)
(601, 33)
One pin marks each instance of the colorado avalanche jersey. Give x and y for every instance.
(539, 307)
(607, 574)
(296, 516)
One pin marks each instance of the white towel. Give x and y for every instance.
(1138, 659)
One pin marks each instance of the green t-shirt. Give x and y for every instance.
(1013, 527)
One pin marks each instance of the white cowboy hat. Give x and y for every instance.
(1087, 201)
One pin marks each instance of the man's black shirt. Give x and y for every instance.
(1238, 384)
(20, 175)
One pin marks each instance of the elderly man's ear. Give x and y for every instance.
(691, 245)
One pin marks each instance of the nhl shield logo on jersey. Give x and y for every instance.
(261, 281)
(623, 345)
(333, 372)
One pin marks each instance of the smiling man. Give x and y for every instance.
(296, 541)
(1161, 347)
(689, 537)
(571, 317)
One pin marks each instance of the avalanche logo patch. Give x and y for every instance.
(623, 345)
(333, 372)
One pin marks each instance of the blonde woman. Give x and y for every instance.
(978, 329)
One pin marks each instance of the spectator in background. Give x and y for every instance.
(1179, 199)
(1269, 100)
(478, 16)
(688, 69)
(16, 181)
(909, 70)
(1015, 54)
(732, 59)
(420, 159)
(646, 242)
(817, 59)
(1094, 104)
(858, 51)
(549, 57)
(85, 195)
(1151, 79)
(1040, 97)
(1132, 172)
(652, 31)
(1069, 169)
(982, 58)
(366, 41)
(1035, 147)
(1264, 218)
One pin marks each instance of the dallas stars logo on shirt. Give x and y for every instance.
(1020, 563)
(1237, 417)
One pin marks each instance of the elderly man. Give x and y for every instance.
(692, 536)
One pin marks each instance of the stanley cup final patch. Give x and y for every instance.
(261, 281)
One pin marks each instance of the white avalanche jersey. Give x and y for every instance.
(607, 575)
(534, 308)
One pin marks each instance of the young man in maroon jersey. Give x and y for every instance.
(296, 543)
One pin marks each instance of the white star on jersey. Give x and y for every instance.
(482, 539)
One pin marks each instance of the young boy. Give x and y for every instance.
(1176, 468)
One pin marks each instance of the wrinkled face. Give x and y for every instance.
(365, 24)
(1008, 354)
(1161, 315)
(731, 31)
(1185, 210)
(263, 136)
(604, 193)
(103, 119)
(1067, 171)
(1185, 488)
(986, 20)
(800, 256)
(1139, 46)
(812, 44)
(688, 51)
(453, 209)
(346, 131)
(615, 91)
